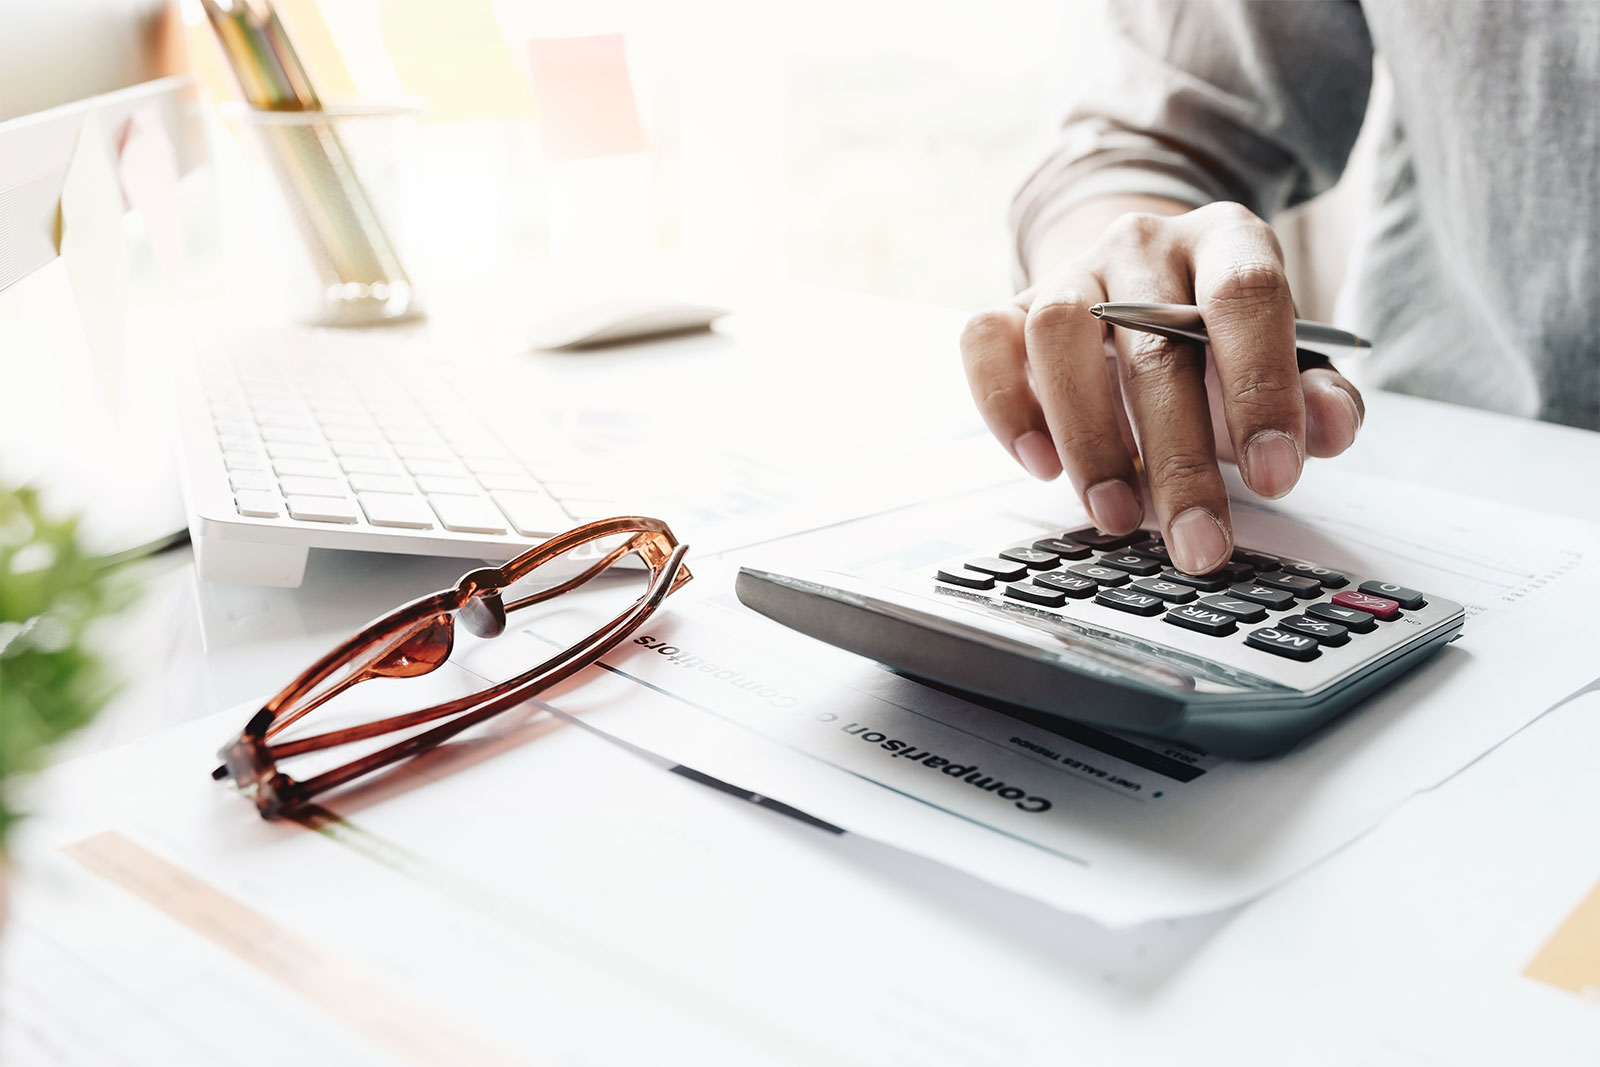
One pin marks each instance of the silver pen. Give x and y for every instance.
(1182, 322)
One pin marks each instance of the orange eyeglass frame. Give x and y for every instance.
(418, 637)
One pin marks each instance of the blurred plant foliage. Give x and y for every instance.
(52, 679)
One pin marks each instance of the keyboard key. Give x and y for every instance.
(434, 468)
(279, 450)
(1330, 579)
(285, 435)
(1276, 599)
(1256, 560)
(514, 480)
(244, 461)
(1128, 600)
(1243, 610)
(322, 509)
(468, 514)
(1076, 587)
(1032, 558)
(1283, 643)
(301, 485)
(1236, 571)
(1323, 631)
(1171, 592)
(250, 480)
(1381, 607)
(393, 509)
(379, 483)
(437, 453)
(369, 465)
(1202, 620)
(312, 468)
(1127, 561)
(347, 448)
(1001, 569)
(965, 578)
(1152, 550)
(1409, 599)
(1104, 541)
(490, 463)
(1103, 575)
(1358, 621)
(257, 505)
(432, 484)
(1064, 549)
(532, 514)
(1209, 583)
(1298, 584)
(1036, 594)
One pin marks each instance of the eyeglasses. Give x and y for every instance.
(418, 638)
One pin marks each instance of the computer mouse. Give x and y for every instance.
(622, 320)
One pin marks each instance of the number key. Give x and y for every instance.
(1409, 599)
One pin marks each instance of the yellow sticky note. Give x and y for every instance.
(586, 103)
(455, 57)
(94, 255)
(148, 168)
(314, 44)
(1570, 960)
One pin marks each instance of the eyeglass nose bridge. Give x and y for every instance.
(484, 614)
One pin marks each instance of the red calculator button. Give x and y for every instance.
(1382, 607)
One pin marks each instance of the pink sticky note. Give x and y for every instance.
(584, 97)
(148, 169)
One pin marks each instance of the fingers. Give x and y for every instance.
(1066, 357)
(1243, 294)
(1163, 386)
(992, 354)
(1334, 412)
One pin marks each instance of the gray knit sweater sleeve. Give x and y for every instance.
(1203, 100)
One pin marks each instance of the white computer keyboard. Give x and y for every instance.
(333, 444)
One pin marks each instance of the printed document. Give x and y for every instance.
(1116, 827)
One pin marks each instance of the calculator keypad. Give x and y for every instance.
(1299, 608)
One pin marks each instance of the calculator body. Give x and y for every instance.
(1089, 659)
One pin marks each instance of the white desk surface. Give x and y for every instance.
(251, 639)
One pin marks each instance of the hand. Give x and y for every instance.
(1063, 391)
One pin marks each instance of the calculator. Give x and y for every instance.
(1103, 629)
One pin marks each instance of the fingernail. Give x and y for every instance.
(1272, 463)
(1199, 545)
(1114, 506)
(1037, 455)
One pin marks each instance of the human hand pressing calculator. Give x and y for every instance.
(1103, 629)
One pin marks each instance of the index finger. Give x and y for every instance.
(1243, 294)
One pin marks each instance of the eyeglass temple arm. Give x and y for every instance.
(575, 659)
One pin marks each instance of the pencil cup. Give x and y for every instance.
(344, 173)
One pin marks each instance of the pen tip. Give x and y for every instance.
(1097, 310)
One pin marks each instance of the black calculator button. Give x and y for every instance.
(1104, 541)
(1322, 631)
(1351, 619)
(1002, 569)
(1032, 558)
(1127, 561)
(1103, 575)
(1207, 583)
(1283, 643)
(1074, 586)
(1409, 599)
(1064, 549)
(1202, 619)
(1038, 594)
(963, 577)
(1243, 610)
(1265, 595)
(1128, 600)
(1328, 579)
(1171, 592)
(1301, 586)
(1152, 550)
(1256, 560)
(1236, 571)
